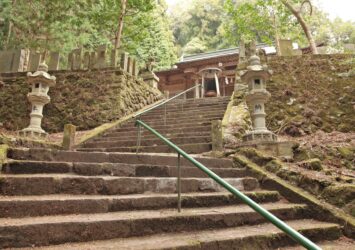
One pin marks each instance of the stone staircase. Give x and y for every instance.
(121, 200)
(188, 124)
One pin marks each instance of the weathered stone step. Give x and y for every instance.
(44, 184)
(133, 132)
(26, 232)
(170, 122)
(341, 244)
(112, 169)
(205, 112)
(24, 206)
(253, 237)
(167, 127)
(146, 142)
(185, 114)
(194, 104)
(152, 136)
(39, 154)
(196, 148)
(174, 119)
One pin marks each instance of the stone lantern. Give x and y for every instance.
(256, 77)
(40, 82)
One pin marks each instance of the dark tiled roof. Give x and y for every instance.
(218, 53)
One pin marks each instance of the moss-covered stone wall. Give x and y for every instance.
(86, 99)
(310, 93)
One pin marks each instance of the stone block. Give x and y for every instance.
(70, 61)
(19, 60)
(77, 59)
(34, 61)
(217, 138)
(150, 78)
(86, 60)
(69, 137)
(242, 50)
(297, 52)
(130, 65)
(124, 61)
(101, 57)
(286, 48)
(54, 61)
(92, 62)
(135, 69)
(6, 58)
(114, 58)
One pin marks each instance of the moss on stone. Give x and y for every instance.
(255, 155)
(340, 216)
(312, 164)
(339, 195)
(3, 154)
(347, 153)
(273, 166)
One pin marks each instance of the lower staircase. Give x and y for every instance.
(103, 197)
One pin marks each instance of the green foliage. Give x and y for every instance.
(62, 25)
(148, 35)
(198, 27)
(262, 20)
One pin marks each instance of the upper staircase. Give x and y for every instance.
(103, 196)
(188, 124)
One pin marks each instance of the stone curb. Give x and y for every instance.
(321, 209)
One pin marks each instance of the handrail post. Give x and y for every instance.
(179, 182)
(139, 134)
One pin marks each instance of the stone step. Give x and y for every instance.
(112, 169)
(172, 121)
(196, 148)
(172, 118)
(39, 154)
(253, 237)
(45, 184)
(341, 244)
(185, 114)
(167, 127)
(47, 230)
(133, 132)
(194, 104)
(146, 142)
(211, 110)
(25, 206)
(152, 136)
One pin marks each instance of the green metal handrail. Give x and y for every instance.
(166, 101)
(256, 207)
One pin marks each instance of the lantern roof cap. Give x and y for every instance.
(41, 75)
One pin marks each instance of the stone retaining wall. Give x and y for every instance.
(85, 98)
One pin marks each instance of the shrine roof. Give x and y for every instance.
(213, 54)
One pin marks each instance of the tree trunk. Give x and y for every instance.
(10, 27)
(304, 26)
(120, 24)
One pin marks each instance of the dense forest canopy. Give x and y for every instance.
(146, 29)
(207, 25)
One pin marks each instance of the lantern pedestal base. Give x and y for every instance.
(260, 136)
(34, 133)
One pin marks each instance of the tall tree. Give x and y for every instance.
(267, 19)
(297, 12)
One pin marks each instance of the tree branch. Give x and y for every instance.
(310, 6)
